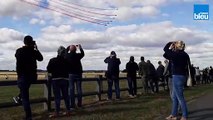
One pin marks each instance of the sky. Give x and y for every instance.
(128, 27)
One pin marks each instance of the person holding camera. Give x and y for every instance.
(113, 74)
(174, 52)
(75, 73)
(26, 68)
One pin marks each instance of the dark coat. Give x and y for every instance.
(74, 60)
(160, 70)
(180, 60)
(59, 67)
(132, 68)
(113, 66)
(26, 58)
(152, 74)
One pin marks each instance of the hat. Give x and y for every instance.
(28, 40)
(61, 50)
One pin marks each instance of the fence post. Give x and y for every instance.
(48, 92)
(100, 86)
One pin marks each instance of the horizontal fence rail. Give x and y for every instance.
(47, 98)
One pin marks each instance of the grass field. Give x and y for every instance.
(5, 76)
(144, 107)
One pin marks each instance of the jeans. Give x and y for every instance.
(117, 88)
(24, 82)
(75, 78)
(61, 86)
(132, 85)
(178, 82)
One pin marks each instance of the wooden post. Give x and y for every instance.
(100, 87)
(48, 93)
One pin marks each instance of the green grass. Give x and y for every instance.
(144, 107)
(6, 93)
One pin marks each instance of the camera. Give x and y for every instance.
(33, 43)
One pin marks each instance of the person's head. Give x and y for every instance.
(61, 51)
(113, 54)
(159, 63)
(148, 61)
(180, 45)
(132, 59)
(28, 41)
(72, 48)
(142, 58)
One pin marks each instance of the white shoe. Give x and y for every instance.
(171, 117)
(15, 100)
(131, 96)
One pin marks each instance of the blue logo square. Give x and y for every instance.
(201, 12)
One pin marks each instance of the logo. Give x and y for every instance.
(201, 12)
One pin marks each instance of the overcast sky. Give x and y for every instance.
(141, 28)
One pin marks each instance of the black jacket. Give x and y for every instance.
(26, 60)
(59, 67)
(113, 66)
(180, 60)
(151, 70)
(131, 68)
(160, 70)
(74, 60)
